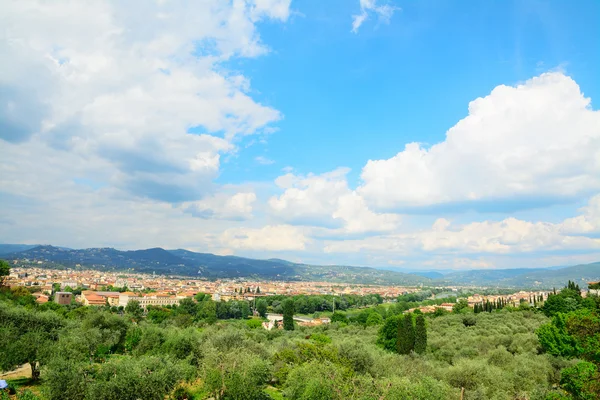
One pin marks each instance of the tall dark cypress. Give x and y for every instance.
(288, 315)
(406, 335)
(400, 334)
(420, 335)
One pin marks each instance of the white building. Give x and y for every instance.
(145, 301)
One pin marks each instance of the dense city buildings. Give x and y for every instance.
(118, 288)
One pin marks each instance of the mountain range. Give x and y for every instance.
(188, 263)
(211, 266)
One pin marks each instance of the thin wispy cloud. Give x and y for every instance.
(264, 160)
(384, 13)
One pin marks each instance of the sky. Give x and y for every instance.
(429, 135)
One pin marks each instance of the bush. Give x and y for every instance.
(355, 356)
(318, 381)
(254, 323)
(181, 393)
(469, 320)
(27, 395)
(582, 381)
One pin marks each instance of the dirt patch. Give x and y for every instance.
(24, 371)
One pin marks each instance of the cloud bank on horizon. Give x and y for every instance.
(118, 123)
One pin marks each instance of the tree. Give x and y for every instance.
(201, 297)
(134, 309)
(339, 317)
(245, 309)
(420, 335)
(469, 320)
(4, 272)
(461, 305)
(374, 319)
(387, 337)
(288, 315)
(406, 335)
(208, 311)
(188, 306)
(582, 380)
(261, 307)
(25, 337)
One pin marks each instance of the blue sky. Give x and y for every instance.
(419, 135)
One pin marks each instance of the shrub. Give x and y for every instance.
(254, 323)
(469, 320)
(27, 395)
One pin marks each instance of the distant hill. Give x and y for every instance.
(485, 276)
(211, 266)
(188, 263)
(525, 277)
(13, 248)
(580, 274)
(429, 274)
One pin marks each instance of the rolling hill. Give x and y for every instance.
(188, 263)
(211, 266)
(525, 277)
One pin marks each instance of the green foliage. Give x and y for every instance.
(254, 323)
(208, 311)
(318, 381)
(27, 395)
(555, 339)
(582, 381)
(320, 338)
(288, 315)
(4, 271)
(187, 306)
(25, 337)
(128, 379)
(387, 336)
(94, 354)
(339, 317)
(406, 335)
(134, 309)
(461, 306)
(374, 319)
(200, 297)
(420, 335)
(469, 320)
(261, 307)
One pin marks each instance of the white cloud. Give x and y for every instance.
(509, 236)
(237, 207)
(539, 140)
(267, 238)
(125, 83)
(384, 13)
(263, 160)
(326, 200)
(586, 223)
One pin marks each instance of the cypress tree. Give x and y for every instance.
(420, 335)
(400, 334)
(288, 315)
(406, 333)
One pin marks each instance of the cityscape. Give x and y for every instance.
(299, 200)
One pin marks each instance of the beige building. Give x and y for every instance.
(63, 298)
(145, 301)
